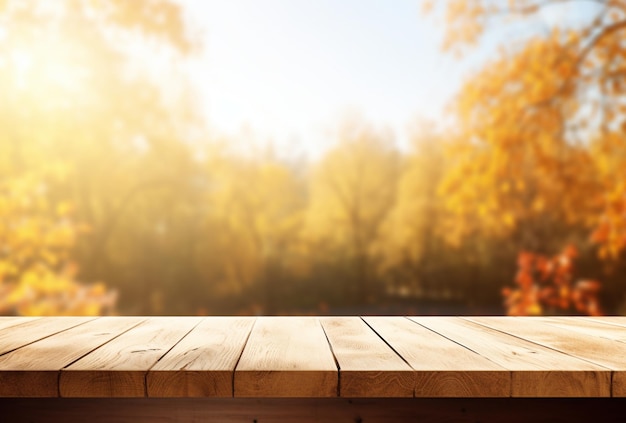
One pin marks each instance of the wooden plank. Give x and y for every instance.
(33, 370)
(585, 326)
(613, 320)
(118, 369)
(367, 366)
(286, 357)
(604, 352)
(203, 363)
(35, 330)
(10, 321)
(443, 368)
(536, 371)
(292, 357)
(311, 410)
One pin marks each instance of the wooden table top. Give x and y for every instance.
(312, 357)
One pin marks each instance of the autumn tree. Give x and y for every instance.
(537, 152)
(78, 89)
(37, 272)
(409, 239)
(528, 118)
(254, 208)
(353, 189)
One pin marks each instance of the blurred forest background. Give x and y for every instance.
(115, 199)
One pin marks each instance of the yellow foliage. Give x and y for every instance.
(546, 116)
(36, 278)
(353, 189)
(409, 230)
(511, 158)
(255, 204)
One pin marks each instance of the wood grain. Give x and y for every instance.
(118, 368)
(443, 368)
(536, 371)
(36, 329)
(601, 351)
(203, 363)
(10, 321)
(585, 326)
(33, 370)
(367, 366)
(613, 320)
(286, 357)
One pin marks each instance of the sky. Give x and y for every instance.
(288, 71)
